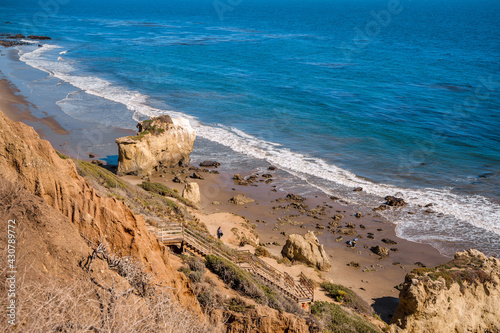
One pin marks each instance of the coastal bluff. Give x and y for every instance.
(462, 295)
(160, 142)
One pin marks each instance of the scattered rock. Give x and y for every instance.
(353, 264)
(380, 250)
(271, 168)
(429, 205)
(267, 175)
(394, 202)
(389, 241)
(177, 180)
(207, 164)
(393, 249)
(38, 37)
(319, 226)
(358, 189)
(97, 162)
(419, 264)
(91, 155)
(241, 199)
(339, 239)
(337, 217)
(196, 175)
(358, 215)
(295, 197)
(237, 177)
(362, 226)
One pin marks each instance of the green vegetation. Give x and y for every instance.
(164, 191)
(249, 286)
(61, 155)
(238, 305)
(456, 271)
(336, 320)
(140, 135)
(105, 177)
(347, 297)
(261, 251)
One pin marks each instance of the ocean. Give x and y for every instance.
(397, 97)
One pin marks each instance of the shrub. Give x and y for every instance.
(106, 177)
(261, 251)
(347, 297)
(164, 191)
(245, 283)
(235, 277)
(336, 320)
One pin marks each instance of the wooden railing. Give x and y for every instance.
(300, 291)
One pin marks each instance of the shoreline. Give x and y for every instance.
(375, 285)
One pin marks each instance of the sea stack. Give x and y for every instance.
(160, 142)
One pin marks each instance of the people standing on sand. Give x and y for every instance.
(219, 233)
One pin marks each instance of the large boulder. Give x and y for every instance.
(241, 199)
(306, 249)
(191, 192)
(160, 142)
(462, 295)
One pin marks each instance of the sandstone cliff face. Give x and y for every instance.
(160, 142)
(261, 320)
(306, 249)
(27, 160)
(460, 296)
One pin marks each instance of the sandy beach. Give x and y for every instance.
(374, 279)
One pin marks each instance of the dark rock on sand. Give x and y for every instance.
(196, 175)
(267, 175)
(207, 164)
(97, 162)
(380, 250)
(358, 189)
(394, 202)
(358, 215)
(271, 168)
(177, 180)
(389, 241)
(237, 177)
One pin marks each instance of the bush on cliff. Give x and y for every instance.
(347, 297)
(248, 285)
(334, 319)
(164, 191)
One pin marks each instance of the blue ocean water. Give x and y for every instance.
(399, 97)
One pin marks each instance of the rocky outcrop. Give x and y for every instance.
(260, 320)
(160, 142)
(241, 199)
(306, 249)
(460, 296)
(191, 192)
(30, 162)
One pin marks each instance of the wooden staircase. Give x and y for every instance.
(301, 290)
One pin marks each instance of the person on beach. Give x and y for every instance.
(219, 233)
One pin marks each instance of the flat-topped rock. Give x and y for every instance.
(160, 142)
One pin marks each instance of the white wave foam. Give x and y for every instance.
(476, 210)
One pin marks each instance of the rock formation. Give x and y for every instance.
(160, 142)
(241, 199)
(460, 296)
(191, 192)
(306, 249)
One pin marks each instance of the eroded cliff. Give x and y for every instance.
(460, 296)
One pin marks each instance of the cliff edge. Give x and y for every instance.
(460, 296)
